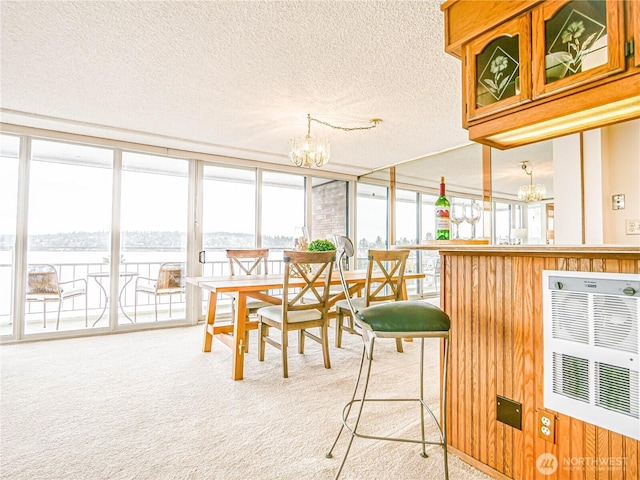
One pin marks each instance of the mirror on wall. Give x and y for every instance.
(463, 171)
(522, 194)
(461, 167)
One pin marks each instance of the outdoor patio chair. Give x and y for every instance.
(294, 314)
(168, 283)
(43, 286)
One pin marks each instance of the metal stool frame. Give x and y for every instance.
(345, 248)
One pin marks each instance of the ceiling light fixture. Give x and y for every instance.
(531, 192)
(308, 151)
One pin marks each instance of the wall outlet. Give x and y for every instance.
(617, 201)
(546, 426)
(633, 227)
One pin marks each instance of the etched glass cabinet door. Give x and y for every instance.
(496, 69)
(575, 42)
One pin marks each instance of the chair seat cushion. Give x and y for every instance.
(357, 303)
(146, 288)
(405, 316)
(274, 312)
(152, 290)
(254, 304)
(72, 292)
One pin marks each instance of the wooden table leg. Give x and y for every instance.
(208, 326)
(239, 328)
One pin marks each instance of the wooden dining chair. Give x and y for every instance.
(248, 262)
(388, 264)
(297, 312)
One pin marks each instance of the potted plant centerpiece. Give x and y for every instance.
(321, 245)
(318, 245)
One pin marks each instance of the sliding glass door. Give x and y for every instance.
(9, 149)
(153, 239)
(69, 220)
(229, 214)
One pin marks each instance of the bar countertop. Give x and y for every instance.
(452, 247)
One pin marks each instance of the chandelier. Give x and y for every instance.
(308, 151)
(531, 192)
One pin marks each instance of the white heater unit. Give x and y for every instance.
(592, 348)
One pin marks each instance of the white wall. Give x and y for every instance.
(621, 174)
(611, 158)
(567, 189)
(593, 203)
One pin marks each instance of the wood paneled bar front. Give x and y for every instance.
(493, 295)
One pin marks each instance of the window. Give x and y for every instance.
(283, 209)
(428, 217)
(372, 220)
(9, 150)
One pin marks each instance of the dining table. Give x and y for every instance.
(241, 287)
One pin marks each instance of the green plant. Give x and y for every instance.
(321, 246)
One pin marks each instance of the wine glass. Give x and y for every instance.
(457, 216)
(472, 215)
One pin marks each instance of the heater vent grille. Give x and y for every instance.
(617, 389)
(592, 348)
(616, 322)
(570, 316)
(571, 377)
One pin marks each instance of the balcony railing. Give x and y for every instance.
(72, 314)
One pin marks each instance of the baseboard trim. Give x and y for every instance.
(478, 464)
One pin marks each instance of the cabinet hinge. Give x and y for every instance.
(628, 48)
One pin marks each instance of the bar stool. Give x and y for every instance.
(403, 319)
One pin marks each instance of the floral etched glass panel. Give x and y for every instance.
(497, 71)
(575, 39)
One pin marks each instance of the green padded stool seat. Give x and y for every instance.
(399, 319)
(405, 316)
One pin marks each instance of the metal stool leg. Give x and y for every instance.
(423, 406)
(422, 425)
(347, 408)
(329, 454)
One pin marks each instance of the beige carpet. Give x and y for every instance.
(152, 405)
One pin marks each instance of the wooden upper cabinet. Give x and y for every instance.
(497, 69)
(539, 69)
(633, 13)
(576, 42)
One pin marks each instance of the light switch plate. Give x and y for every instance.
(633, 227)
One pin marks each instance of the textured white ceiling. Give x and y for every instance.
(236, 78)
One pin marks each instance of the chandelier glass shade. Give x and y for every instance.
(311, 151)
(531, 192)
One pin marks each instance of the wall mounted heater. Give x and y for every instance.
(592, 348)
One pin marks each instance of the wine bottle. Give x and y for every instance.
(443, 224)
